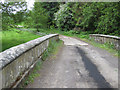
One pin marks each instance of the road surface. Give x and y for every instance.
(78, 65)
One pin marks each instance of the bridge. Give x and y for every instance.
(77, 65)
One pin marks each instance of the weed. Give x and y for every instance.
(51, 50)
(106, 46)
(33, 74)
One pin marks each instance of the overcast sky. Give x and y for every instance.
(30, 3)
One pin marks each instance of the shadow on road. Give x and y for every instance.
(93, 71)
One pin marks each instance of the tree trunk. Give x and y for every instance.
(37, 29)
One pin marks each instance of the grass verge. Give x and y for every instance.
(15, 37)
(52, 49)
(105, 46)
(33, 74)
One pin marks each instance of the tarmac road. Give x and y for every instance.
(78, 65)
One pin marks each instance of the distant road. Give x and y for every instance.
(38, 33)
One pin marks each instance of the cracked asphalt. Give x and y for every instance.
(78, 65)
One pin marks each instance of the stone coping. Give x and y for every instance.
(12, 53)
(107, 36)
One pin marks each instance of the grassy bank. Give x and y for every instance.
(16, 37)
(52, 50)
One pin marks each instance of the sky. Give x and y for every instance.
(30, 4)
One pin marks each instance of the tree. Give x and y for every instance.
(101, 17)
(29, 19)
(50, 9)
(109, 20)
(40, 17)
(8, 10)
(64, 18)
(19, 16)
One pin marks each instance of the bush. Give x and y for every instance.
(64, 18)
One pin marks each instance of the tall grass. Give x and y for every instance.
(52, 49)
(16, 37)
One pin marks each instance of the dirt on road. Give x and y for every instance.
(78, 65)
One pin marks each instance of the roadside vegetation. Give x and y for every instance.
(16, 37)
(79, 17)
(52, 49)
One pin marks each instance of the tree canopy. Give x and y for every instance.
(91, 17)
(12, 13)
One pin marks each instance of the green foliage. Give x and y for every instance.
(52, 49)
(89, 13)
(16, 37)
(29, 19)
(107, 46)
(108, 22)
(50, 9)
(33, 74)
(92, 17)
(11, 15)
(7, 23)
(64, 18)
(40, 17)
(101, 18)
(19, 16)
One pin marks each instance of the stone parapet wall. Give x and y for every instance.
(16, 60)
(100, 38)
